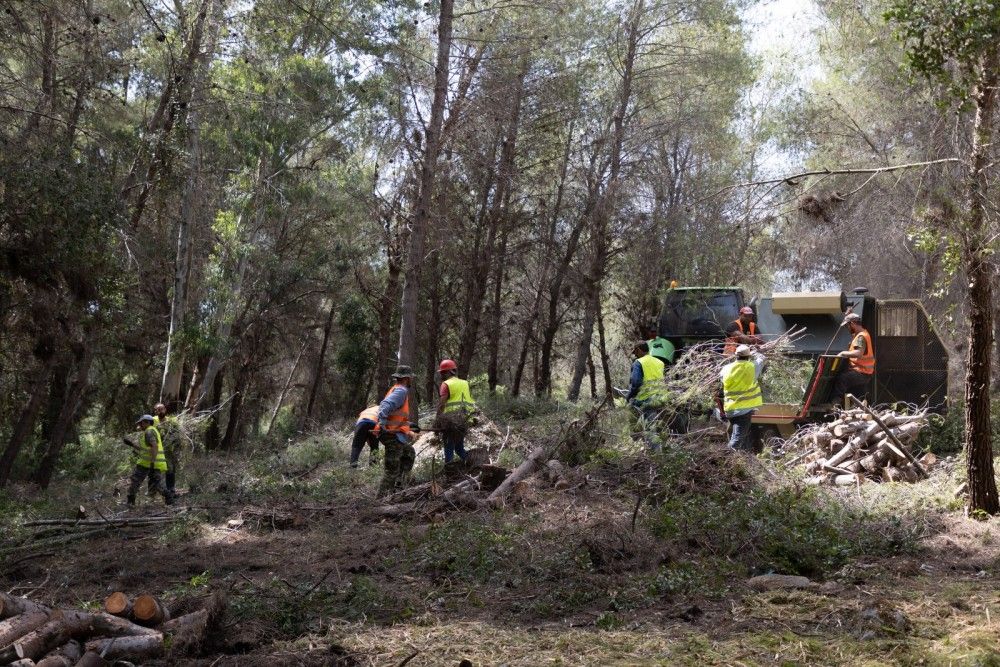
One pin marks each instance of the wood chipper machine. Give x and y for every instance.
(911, 362)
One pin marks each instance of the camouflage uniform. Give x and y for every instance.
(399, 458)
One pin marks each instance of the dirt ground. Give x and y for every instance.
(315, 577)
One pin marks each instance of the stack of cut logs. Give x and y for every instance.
(133, 630)
(862, 445)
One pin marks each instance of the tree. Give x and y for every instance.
(955, 43)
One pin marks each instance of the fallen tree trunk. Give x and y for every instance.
(11, 605)
(91, 659)
(527, 467)
(66, 655)
(128, 648)
(16, 627)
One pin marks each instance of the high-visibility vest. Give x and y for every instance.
(399, 420)
(169, 423)
(732, 343)
(740, 387)
(652, 379)
(661, 348)
(459, 396)
(371, 414)
(144, 458)
(866, 362)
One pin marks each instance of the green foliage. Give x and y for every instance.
(354, 352)
(946, 434)
(938, 33)
(788, 529)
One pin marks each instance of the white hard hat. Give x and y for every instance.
(743, 351)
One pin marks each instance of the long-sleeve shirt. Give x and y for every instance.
(635, 380)
(759, 361)
(393, 401)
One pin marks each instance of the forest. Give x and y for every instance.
(268, 215)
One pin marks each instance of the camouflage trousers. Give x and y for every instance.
(399, 458)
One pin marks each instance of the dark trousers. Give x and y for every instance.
(740, 439)
(363, 435)
(850, 381)
(142, 473)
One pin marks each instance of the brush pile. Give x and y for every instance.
(862, 445)
(693, 380)
(128, 630)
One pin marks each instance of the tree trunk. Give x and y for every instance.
(605, 359)
(496, 307)
(191, 211)
(433, 331)
(67, 415)
(26, 423)
(284, 390)
(212, 434)
(320, 366)
(387, 315)
(421, 216)
(977, 254)
(605, 210)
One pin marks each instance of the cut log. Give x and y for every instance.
(903, 451)
(875, 461)
(145, 647)
(14, 628)
(91, 659)
(149, 611)
(23, 662)
(40, 641)
(853, 467)
(118, 604)
(892, 474)
(527, 467)
(820, 439)
(66, 655)
(848, 480)
(845, 453)
(11, 605)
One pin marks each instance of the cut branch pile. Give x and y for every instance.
(862, 444)
(693, 381)
(134, 630)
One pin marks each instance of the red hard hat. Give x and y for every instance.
(746, 310)
(447, 365)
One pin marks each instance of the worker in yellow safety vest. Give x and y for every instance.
(150, 461)
(647, 391)
(856, 378)
(740, 395)
(455, 410)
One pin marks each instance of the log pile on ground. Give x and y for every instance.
(861, 445)
(129, 629)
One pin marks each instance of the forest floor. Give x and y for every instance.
(635, 561)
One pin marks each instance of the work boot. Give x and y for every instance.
(131, 500)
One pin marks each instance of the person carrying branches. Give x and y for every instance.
(455, 411)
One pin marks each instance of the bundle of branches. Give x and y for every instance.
(693, 381)
(862, 444)
(139, 629)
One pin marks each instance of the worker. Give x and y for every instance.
(364, 434)
(149, 461)
(455, 410)
(856, 379)
(742, 331)
(395, 433)
(169, 430)
(660, 348)
(646, 391)
(740, 395)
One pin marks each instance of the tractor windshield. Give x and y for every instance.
(701, 313)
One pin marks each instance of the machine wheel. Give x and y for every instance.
(761, 433)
